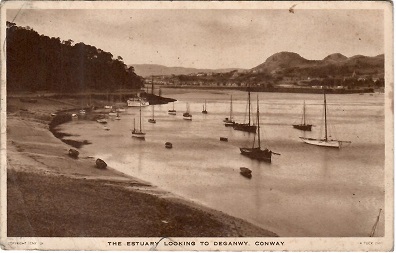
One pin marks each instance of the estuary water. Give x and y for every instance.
(306, 191)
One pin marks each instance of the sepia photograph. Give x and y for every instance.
(178, 126)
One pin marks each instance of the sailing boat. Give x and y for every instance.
(173, 111)
(204, 108)
(303, 126)
(243, 126)
(258, 153)
(152, 120)
(82, 111)
(229, 121)
(138, 133)
(325, 142)
(187, 115)
(117, 116)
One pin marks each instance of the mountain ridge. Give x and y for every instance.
(278, 62)
(288, 61)
(146, 70)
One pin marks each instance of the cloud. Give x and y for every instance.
(213, 38)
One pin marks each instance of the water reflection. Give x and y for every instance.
(306, 191)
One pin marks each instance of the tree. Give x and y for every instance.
(52, 64)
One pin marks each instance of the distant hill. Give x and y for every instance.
(283, 60)
(292, 64)
(333, 58)
(154, 69)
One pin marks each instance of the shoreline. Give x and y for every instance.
(42, 179)
(277, 90)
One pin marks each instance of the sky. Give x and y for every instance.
(212, 38)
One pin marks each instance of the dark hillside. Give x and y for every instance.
(37, 62)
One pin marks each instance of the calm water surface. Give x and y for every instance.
(306, 191)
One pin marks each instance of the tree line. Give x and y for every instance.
(37, 62)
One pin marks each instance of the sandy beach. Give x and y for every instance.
(53, 195)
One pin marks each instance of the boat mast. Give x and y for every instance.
(231, 109)
(152, 84)
(304, 113)
(249, 104)
(140, 115)
(258, 123)
(324, 94)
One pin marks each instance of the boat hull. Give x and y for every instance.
(172, 112)
(138, 135)
(101, 121)
(246, 172)
(245, 127)
(321, 142)
(303, 127)
(73, 153)
(229, 123)
(257, 154)
(187, 116)
(101, 164)
(137, 103)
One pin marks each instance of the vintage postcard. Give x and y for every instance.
(195, 125)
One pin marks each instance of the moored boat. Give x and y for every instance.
(152, 120)
(135, 102)
(137, 133)
(102, 121)
(245, 172)
(303, 126)
(100, 164)
(228, 122)
(113, 113)
(168, 145)
(204, 111)
(246, 127)
(223, 139)
(187, 115)
(73, 153)
(120, 110)
(324, 142)
(173, 111)
(256, 152)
